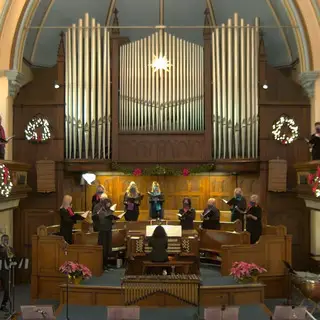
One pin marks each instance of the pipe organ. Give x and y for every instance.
(161, 100)
(87, 91)
(235, 53)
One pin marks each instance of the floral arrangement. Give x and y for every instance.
(38, 130)
(75, 270)
(5, 181)
(282, 137)
(163, 171)
(314, 180)
(243, 270)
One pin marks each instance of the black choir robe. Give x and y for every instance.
(315, 141)
(254, 226)
(241, 203)
(186, 218)
(95, 200)
(131, 207)
(66, 224)
(211, 219)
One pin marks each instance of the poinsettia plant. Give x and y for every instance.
(242, 270)
(75, 270)
(314, 181)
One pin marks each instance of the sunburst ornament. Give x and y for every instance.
(160, 63)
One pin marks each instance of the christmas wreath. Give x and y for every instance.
(285, 123)
(5, 181)
(38, 130)
(314, 181)
(159, 170)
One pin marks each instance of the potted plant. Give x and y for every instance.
(246, 272)
(75, 271)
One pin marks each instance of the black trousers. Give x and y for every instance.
(105, 240)
(2, 153)
(4, 277)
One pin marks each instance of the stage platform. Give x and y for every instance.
(80, 312)
(214, 290)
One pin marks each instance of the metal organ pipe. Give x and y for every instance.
(99, 90)
(74, 91)
(235, 89)
(93, 87)
(70, 106)
(67, 134)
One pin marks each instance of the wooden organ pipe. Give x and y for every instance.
(87, 90)
(235, 89)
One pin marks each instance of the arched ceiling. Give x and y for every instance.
(42, 44)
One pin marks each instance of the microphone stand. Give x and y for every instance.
(11, 289)
(67, 293)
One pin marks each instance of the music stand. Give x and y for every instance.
(121, 313)
(37, 312)
(287, 312)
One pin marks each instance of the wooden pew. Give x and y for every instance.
(273, 248)
(48, 254)
(211, 241)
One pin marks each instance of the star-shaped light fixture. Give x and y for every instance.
(160, 63)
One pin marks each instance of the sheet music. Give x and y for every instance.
(121, 215)
(172, 231)
(113, 207)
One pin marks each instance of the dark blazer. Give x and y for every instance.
(104, 217)
(315, 141)
(131, 214)
(159, 249)
(211, 219)
(66, 224)
(186, 219)
(95, 200)
(242, 205)
(254, 226)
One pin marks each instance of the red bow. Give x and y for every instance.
(71, 213)
(5, 175)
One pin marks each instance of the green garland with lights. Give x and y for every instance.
(160, 170)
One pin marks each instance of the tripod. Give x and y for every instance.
(12, 312)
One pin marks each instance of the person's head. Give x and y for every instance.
(132, 188)
(5, 239)
(254, 200)
(316, 126)
(186, 203)
(211, 203)
(155, 187)
(100, 189)
(66, 202)
(237, 192)
(159, 232)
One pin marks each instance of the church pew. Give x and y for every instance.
(273, 248)
(211, 241)
(49, 253)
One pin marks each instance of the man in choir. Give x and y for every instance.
(132, 201)
(254, 215)
(6, 253)
(315, 142)
(159, 244)
(186, 215)
(211, 216)
(156, 200)
(68, 218)
(237, 202)
(95, 200)
(105, 215)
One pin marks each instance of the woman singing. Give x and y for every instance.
(159, 244)
(254, 214)
(132, 200)
(67, 219)
(95, 200)
(237, 202)
(211, 216)
(156, 200)
(186, 215)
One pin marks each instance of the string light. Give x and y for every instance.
(283, 137)
(5, 181)
(31, 130)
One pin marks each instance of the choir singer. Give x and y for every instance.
(186, 215)
(156, 200)
(254, 214)
(211, 216)
(132, 201)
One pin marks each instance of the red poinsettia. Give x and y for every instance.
(185, 172)
(314, 180)
(137, 172)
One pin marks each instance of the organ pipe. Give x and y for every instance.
(235, 51)
(87, 90)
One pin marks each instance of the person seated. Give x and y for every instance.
(186, 215)
(254, 215)
(211, 216)
(103, 216)
(67, 219)
(159, 244)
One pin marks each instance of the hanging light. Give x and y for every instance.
(89, 178)
(160, 63)
(56, 85)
